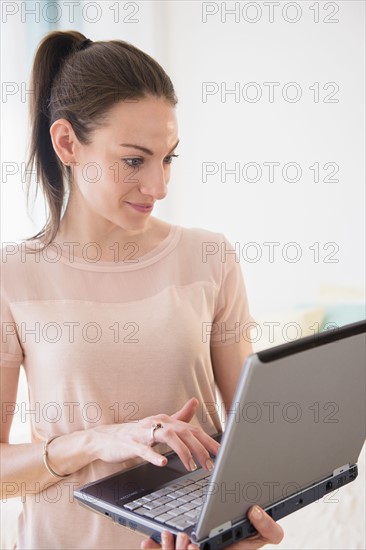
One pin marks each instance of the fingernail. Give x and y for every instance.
(209, 464)
(256, 513)
(192, 464)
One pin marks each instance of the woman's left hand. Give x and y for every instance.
(269, 532)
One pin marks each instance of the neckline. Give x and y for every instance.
(64, 255)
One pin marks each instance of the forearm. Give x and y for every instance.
(23, 470)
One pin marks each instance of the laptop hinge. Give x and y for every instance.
(220, 529)
(341, 469)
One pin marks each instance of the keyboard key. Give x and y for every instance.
(161, 492)
(203, 482)
(196, 494)
(187, 507)
(175, 502)
(185, 482)
(175, 494)
(172, 504)
(152, 505)
(162, 500)
(158, 511)
(163, 518)
(194, 486)
(180, 523)
(174, 486)
(184, 490)
(187, 498)
(193, 513)
(132, 505)
(142, 500)
(174, 512)
(142, 511)
(152, 496)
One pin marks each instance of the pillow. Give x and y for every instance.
(281, 327)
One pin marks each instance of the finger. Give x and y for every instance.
(147, 453)
(169, 436)
(196, 448)
(167, 540)
(267, 528)
(182, 541)
(207, 441)
(186, 413)
(149, 543)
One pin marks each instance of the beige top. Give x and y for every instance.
(105, 342)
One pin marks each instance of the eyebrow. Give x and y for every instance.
(144, 149)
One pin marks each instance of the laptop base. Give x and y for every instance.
(240, 530)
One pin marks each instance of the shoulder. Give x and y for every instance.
(207, 244)
(206, 253)
(202, 236)
(17, 261)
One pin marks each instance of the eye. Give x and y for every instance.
(169, 159)
(136, 161)
(132, 162)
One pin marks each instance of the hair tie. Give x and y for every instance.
(83, 44)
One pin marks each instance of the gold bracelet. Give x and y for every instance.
(45, 459)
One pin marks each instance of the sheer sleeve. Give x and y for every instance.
(11, 352)
(232, 318)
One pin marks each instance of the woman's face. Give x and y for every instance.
(126, 168)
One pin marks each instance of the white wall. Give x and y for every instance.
(221, 130)
(224, 131)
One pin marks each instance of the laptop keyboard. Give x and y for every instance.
(176, 505)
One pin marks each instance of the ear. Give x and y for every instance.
(64, 140)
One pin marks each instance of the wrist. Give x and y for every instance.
(89, 444)
(69, 453)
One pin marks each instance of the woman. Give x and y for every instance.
(105, 306)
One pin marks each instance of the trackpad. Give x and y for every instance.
(175, 463)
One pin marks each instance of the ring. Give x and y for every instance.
(155, 426)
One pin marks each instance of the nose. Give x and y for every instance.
(155, 183)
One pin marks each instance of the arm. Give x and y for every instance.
(22, 467)
(227, 362)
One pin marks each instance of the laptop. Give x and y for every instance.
(294, 434)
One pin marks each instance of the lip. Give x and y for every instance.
(141, 207)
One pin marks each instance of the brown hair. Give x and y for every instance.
(80, 80)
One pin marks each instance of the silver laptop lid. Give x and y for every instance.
(298, 416)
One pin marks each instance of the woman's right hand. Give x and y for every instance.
(119, 442)
(268, 532)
